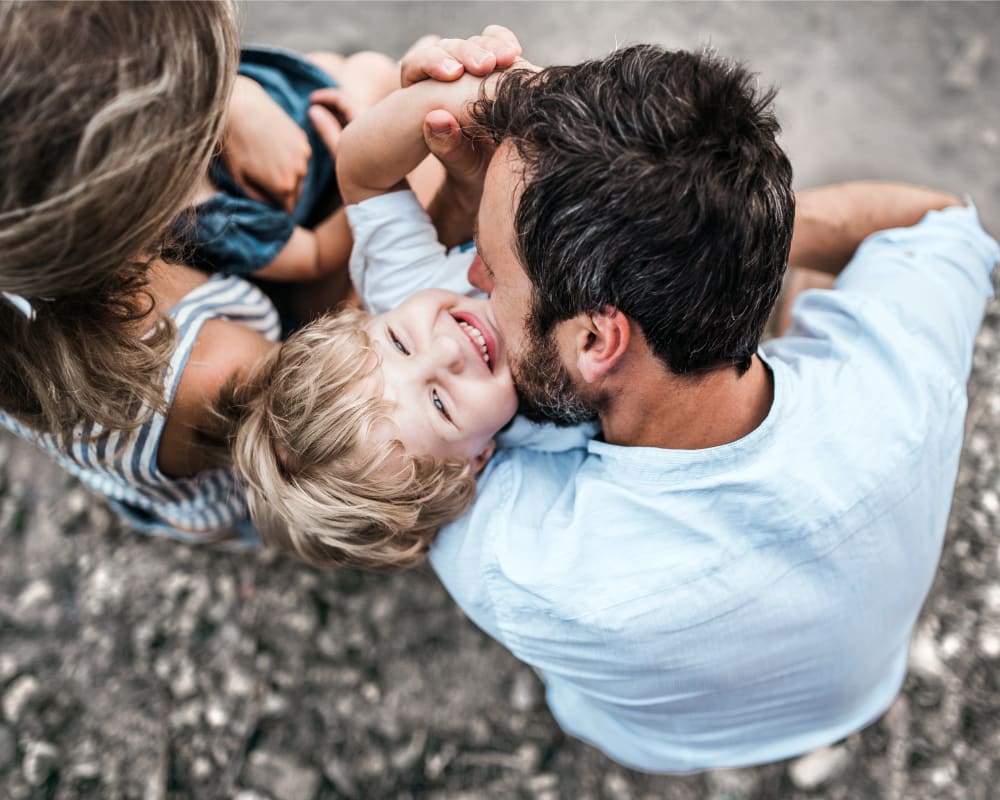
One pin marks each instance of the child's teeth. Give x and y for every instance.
(478, 336)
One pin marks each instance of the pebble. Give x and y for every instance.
(543, 783)
(238, 683)
(282, 776)
(924, 659)
(818, 767)
(201, 768)
(406, 757)
(339, 775)
(18, 696)
(216, 716)
(525, 692)
(40, 759)
(733, 784)
(616, 786)
(989, 644)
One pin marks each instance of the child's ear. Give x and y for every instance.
(602, 339)
(480, 461)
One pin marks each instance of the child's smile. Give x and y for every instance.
(443, 366)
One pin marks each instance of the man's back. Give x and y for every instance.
(700, 608)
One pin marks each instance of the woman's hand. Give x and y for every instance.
(263, 148)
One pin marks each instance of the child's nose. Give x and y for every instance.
(448, 354)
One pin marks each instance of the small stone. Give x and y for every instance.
(438, 762)
(273, 705)
(951, 645)
(528, 757)
(525, 693)
(923, 655)
(990, 501)
(404, 758)
(282, 776)
(733, 783)
(616, 786)
(18, 696)
(372, 763)
(184, 683)
(201, 768)
(371, 692)
(818, 767)
(339, 775)
(84, 772)
(40, 759)
(989, 644)
(8, 667)
(75, 502)
(8, 748)
(216, 716)
(543, 784)
(238, 683)
(250, 794)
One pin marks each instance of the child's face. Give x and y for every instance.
(444, 368)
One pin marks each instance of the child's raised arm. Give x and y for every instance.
(377, 150)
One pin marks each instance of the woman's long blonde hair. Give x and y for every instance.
(109, 112)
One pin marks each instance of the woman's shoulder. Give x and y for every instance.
(222, 349)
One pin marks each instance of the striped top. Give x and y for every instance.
(122, 466)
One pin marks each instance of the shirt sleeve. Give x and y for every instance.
(929, 282)
(397, 252)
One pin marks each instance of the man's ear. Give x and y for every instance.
(480, 461)
(601, 341)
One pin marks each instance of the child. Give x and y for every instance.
(361, 435)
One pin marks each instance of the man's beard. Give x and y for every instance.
(545, 388)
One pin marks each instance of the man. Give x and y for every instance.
(730, 574)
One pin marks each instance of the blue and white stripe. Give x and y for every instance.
(122, 465)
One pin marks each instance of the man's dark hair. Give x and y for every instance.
(653, 183)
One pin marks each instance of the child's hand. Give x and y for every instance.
(447, 59)
(263, 148)
(464, 159)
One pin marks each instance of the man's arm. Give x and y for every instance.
(831, 221)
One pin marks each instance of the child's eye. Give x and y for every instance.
(396, 343)
(439, 405)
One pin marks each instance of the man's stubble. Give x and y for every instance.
(545, 389)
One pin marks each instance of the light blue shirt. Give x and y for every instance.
(749, 602)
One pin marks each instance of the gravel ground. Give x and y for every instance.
(138, 668)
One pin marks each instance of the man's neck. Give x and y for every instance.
(654, 408)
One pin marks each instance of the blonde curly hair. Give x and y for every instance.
(321, 482)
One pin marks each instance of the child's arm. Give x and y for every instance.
(312, 254)
(378, 150)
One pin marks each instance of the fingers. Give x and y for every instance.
(338, 100)
(444, 136)
(327, 126)
(447, 59)
(432, 61)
